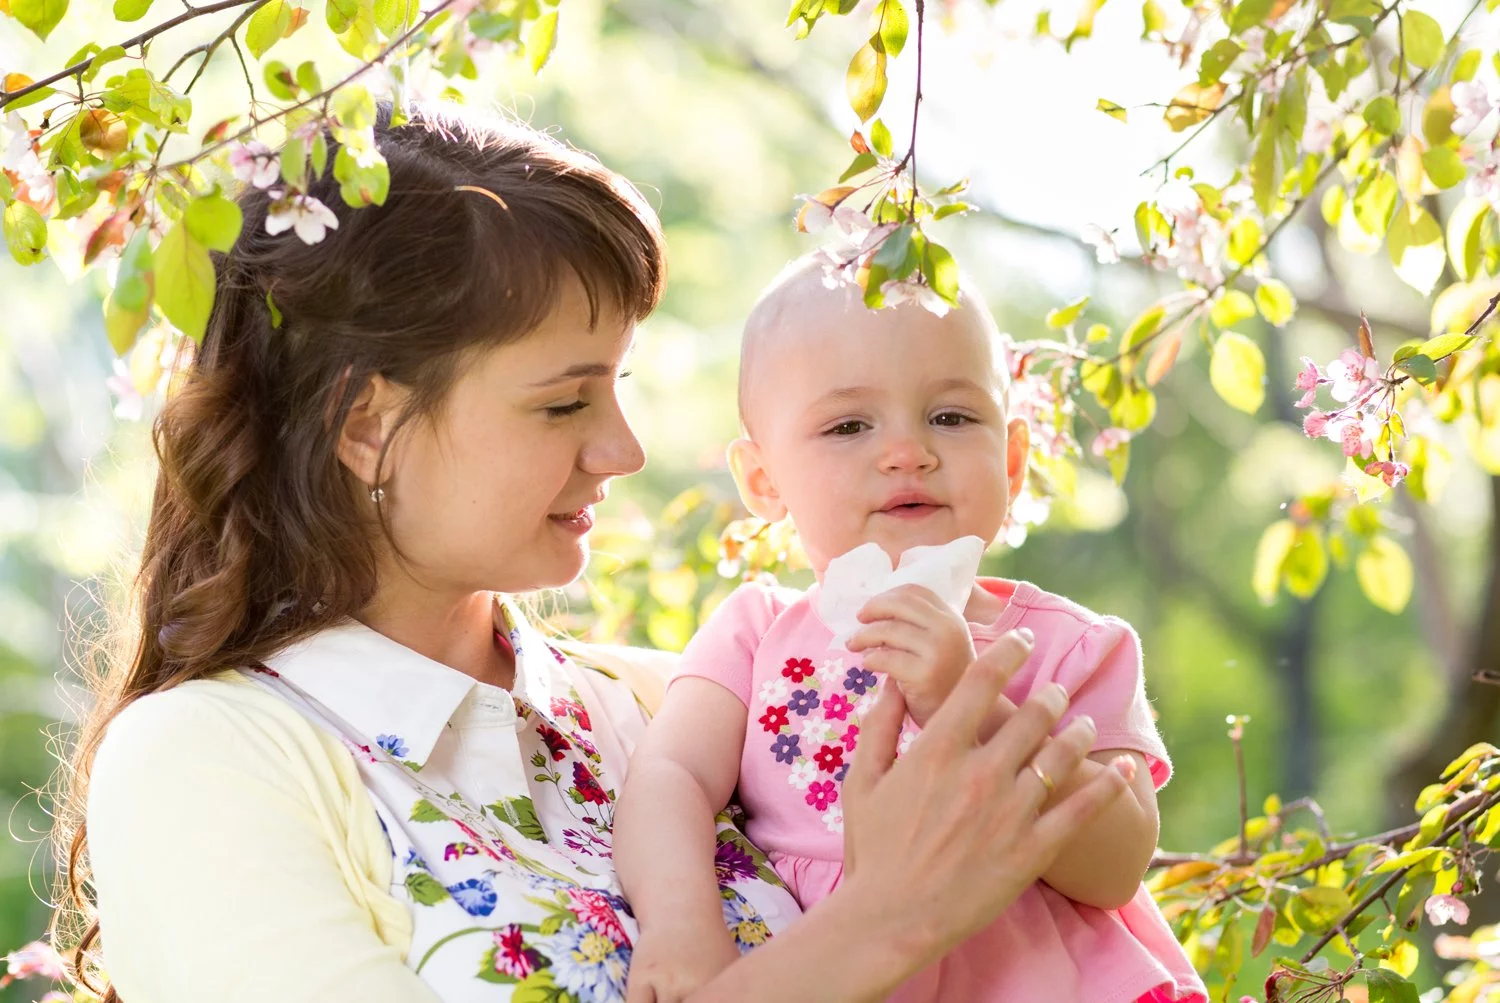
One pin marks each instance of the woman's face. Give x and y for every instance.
(496, 490)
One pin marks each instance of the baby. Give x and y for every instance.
(885, 427)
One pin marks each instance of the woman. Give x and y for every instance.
(339, 764)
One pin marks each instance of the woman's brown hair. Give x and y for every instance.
(256, 535)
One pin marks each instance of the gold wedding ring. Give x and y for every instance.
(1042, 776)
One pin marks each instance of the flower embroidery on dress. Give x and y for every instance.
(797, 669)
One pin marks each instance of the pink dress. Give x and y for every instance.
(804, 700)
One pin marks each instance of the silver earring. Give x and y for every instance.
(377, 494)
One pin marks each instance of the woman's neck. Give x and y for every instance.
(456, 630)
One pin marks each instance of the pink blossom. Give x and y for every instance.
(292, 210)
(1317, 137)
(1315, 424)
(815, 216)
(1443, 908)
(1389, 471)
(1473, 104)
(1103, 243)
(1352, 374)
(1484, 182)
(254, 163)
(36, 960)
(1109, 440)
(1310, 377)
(1353, 439)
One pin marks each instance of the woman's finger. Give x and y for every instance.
(1013, 745)
(1061, 822)
(880, 730)
(1055, 760)
(960, 716)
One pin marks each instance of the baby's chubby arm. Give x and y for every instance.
(680, 777)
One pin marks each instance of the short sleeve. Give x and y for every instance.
(236, 859)
(724, 648)
(1103, 675)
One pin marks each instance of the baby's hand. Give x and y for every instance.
(912, 636)
(671, 965)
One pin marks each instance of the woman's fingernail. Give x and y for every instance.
(1088, 723)
(1056, 696)
(1025, 634)
(1124, 766)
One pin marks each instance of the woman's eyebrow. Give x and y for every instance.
(582, 370)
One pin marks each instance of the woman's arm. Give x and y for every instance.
(936, 845)
(681, 776)
(217, 871)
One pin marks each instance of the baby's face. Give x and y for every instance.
(883, 426)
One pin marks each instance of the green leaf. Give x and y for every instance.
(131, 10)
(1352, 10)
(896, 255)
(861, 163)
(1065, 315)
(1375, 202)
(941, 271)
(425, 889)
(1385, 574)
(951, 209)
(360, 185)
(1467, 65)
(1144, 326)
(1276, 302)
(279, 80)
(1248, 14)
(1421, 39)
(184, 281)
(25, 233)
(865, 80)
(1263, 173)
(425, 811)
(1306, 563)
(1237, 371)
(129, 304)
(1386, 986)
(1135, 409)
(1415, 243)
(880, 138)
(541, 41)
(354, 107)
(1443, 166)
(1421, 368)
(1216, 60)
(139, 93)
(40, 16)
(524, 811)
(213, 221)
(1446, 344)
(1383, 115)
(267, 26)
(341, 14)
(1111, 109)
(319, 155)
(1231, 308)
(890, 23)
(1465, 228)
(1316, 909)
(1244, 241)
(307, 77)
(1102, 379)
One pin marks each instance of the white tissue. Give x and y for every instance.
(853, 579)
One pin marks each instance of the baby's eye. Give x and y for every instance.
(851, 427)
(951, 419)
(563, 410)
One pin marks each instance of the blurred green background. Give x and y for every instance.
(722, 118)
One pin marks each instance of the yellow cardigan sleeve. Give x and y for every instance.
(238, 858)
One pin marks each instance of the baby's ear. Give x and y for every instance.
(757, 490)
(1017, 452)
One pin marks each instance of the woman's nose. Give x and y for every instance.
(615, 452)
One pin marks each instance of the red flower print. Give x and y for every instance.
(797, 669)
(774, 719)
(837, 707)
(851, 737)
(822, 793)
(571, 708)
(512, 956)
(829, 758)
(587, 786)
(556, 743)
(595, 909)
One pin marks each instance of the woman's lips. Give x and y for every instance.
(578, 522)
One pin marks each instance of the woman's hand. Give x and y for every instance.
(913, 636)
(941, 842)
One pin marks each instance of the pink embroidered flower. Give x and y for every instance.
(595, 909)
(837, 707)
(1445, 908)
(829, 758)
(587, 785)
(774, 719)
(798, 669)
(822, 793)
(512, 956)
(851, 737)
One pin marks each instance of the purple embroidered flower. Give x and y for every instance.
(732, 864)
(842, 772)
(802, 701)
(859, 681)
(476, 896)
(786, 748)
(393, 745)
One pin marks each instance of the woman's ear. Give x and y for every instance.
(368, 426)
(1017, 451)
(757, 490)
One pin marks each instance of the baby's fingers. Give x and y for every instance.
(908, 602)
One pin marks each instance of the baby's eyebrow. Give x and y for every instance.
(843, 395)
(957, 383)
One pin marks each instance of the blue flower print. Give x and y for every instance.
(392, 744)
(588, 965)
(802, 701)
(786, 748)
(475, 896)
(840, 772)
(859, 681)
(413, 858)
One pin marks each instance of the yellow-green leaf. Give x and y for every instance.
(1065, 315)
(865, 81)
(1231, 308)
(1421, 39)
(184, 281)
(541, 41)
(1143, 327)
(40, 16)
(1465, 227)
(1375, 202)
(1385, 574)
(1135, 408)
(1415, 243)
(1276, 302)
(1244, 240)
(131, 10)
(1443, 166)
(1237, 371)
(1270, 554)
(25, 233)
(213, 221)
(1192, 104)
(1112, 110)
(1306, 563)
(267, 26)
(891, 24)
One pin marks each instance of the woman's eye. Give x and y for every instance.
(950, 419)
(851, 427)
(563, 410)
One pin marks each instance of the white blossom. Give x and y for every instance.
(1103, 243)
(1472, 102)
(293, 210)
